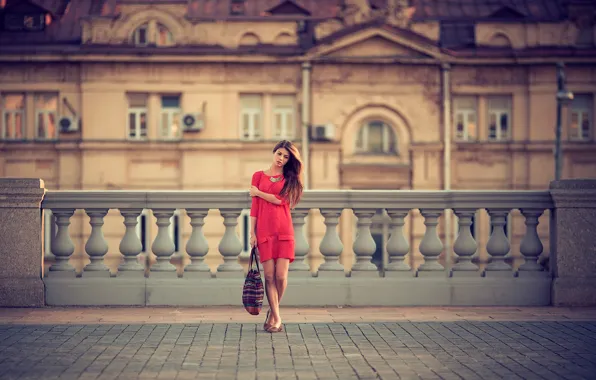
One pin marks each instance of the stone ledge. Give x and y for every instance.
(305, 292)
(574, 291)
(21, 292)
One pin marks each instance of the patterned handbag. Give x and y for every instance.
(252, 293)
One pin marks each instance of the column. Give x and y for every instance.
(96, 246)
(301, 248)
(197, 246)
(465, 246)
(21, 248)
(431, 246)
(397, 245)
(230, 246)
(331, 245)
(364, 245)
(573, 261)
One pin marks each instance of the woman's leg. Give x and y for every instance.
(281, 282)
(271, 290)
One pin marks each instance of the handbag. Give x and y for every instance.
(253, 291)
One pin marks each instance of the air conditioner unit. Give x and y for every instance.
(68, 124)
(325, 132)
(193, 122)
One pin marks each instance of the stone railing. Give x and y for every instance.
(463, 282)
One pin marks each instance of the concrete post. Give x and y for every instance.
(21, 254)
(573, 242)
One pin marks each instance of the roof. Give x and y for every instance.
(476, 10)
(455, 17)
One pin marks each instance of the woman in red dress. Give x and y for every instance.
(274, 192)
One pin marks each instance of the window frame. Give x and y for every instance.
(499, 112)
(165, 131)
(136, 35)
(388, 133)
(21, 111)
(137, 111)
(46, 113)
(253, 113)
(579, 110)
(285, 114)
(465, 112)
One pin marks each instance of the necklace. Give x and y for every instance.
(276, 179)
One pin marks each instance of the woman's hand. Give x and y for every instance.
(253, 240)
(254, 191)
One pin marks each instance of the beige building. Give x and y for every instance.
(394, 94)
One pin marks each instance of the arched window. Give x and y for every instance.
(164, 36)
(141, 34)
(161, 35)
(376, 137)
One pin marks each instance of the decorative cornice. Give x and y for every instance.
(574, 193)
(21, 192)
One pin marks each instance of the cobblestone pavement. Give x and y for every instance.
(378, 350)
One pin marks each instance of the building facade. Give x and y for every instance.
(392, 94)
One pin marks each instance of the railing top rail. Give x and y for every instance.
(312, 199)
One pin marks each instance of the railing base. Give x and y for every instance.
(301, 291)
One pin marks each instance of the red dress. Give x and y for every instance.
(275, 231)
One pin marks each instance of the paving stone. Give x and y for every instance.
(421, 350)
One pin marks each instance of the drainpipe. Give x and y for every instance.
(445, 70)
(306, 69)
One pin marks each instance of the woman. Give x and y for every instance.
(274, 192)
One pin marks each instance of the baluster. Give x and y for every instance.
(197, 246)
(62, 247)
(364, 245)
(430, 246)
(397, 245)
(230, 245)
(531, 247)
(465, 246)
(301, 246)
(96, 246)
(498, 244)
(331, 245)
(163, 245)
(130, 245)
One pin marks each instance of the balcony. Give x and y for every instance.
(101, 263)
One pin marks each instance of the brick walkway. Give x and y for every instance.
(226, 343)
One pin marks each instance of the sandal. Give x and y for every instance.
(272, 329)
(266, 325)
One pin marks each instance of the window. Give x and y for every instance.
(164, 36)
(46, 108)
(250, 116)
(13, 116)
(580, 126)
(137, 116)
(140, 36)
(160, 35)
(499, 117)
(465, 118)
(171, 117)
(284, 116)
(376, 137)
(237, 7)
(29, 22)
(457, 34)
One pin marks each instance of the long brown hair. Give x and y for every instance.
(293, 172)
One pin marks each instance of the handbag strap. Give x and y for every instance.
(253, 259)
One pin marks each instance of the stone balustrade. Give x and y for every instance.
(460, 279)
(162, 285)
